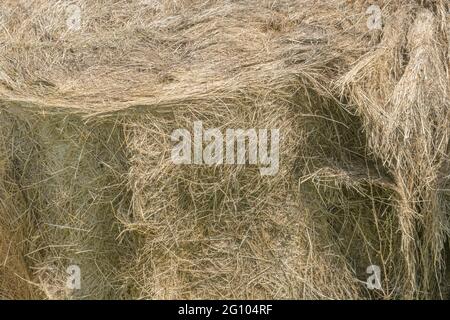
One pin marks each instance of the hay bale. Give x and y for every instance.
(401, 91)
(74, 184)
(363, 176)
(15, 280)
(226, 231)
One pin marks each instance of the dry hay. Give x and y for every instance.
(225, 231)
(74, 185)
(15, 281)
(364, 171)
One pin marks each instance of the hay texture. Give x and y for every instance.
(91, 92)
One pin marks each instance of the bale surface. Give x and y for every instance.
(87, 108)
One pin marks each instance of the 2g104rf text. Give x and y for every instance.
(225, 309)
(246, 309)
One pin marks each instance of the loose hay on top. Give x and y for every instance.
(364, 172)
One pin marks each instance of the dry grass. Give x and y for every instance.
(15, 280)
(364, 156)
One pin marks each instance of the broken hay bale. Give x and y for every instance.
(73, 183)
(401, 91)
(225, 231)
(15, 277)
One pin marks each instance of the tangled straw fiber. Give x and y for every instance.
(87, 179)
